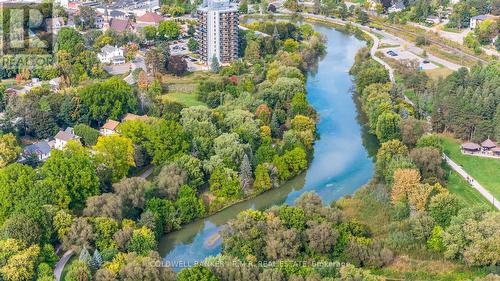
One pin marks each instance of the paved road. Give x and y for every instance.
(474, 182)
(148, 172)
(373, 50)
(138, 62)
(61, 263)
(457, 37)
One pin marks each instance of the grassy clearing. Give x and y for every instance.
(368, 209)
(485, 170)
(451, 29)
(187, 99)
(437, 73)
(68, 265)
(186, 83)
(459, 186)
(384, 46)
(405, 268)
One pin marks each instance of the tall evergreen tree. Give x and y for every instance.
(214, 65)
(85, 256)
(96, 260)
(246, 174)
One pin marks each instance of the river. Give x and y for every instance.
(343, 156)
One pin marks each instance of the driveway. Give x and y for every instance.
(58, 269)
(138, 62)
(117, 69)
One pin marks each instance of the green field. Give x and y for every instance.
(485, 170)
(459, 186)
(187, 99)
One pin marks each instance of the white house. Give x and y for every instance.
(111, 54)
(41, 150)
(432, 20)
(99, 21)
(63, 137)
(398, 6)
(475, 21)
(109, 128)
(52, 25)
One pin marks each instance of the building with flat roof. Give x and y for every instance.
(217, 30)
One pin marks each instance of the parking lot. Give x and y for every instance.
(399, 53)
(179, 48)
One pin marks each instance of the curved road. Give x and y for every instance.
(58, 269)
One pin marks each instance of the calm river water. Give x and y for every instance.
(343, 156)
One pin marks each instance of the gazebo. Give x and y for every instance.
(488, 144)
(471, 147)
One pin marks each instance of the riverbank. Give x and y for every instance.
(340, 165)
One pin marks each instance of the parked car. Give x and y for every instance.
(425, 61)
(392, 53)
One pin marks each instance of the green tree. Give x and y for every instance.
(9, 149)
(88, 134)
(168, 30)
(143, 241)
(166, 141)
(71, 173)
(79, 271)
(192, 45)
(388, 151)
(17, 181)
(67, 39)
(150, 32)
(116, 153)
(225, 183)
(214, 65)
(296, 160)
(21, 265)
(430, 140)
(388, 126)
(300, 105)
(188, 205)
(262, 178)
(444, 207)
(165, 213)
(435, 242)
(108, 99)
(197, 273)
(104, 229)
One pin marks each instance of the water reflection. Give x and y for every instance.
(343, 156)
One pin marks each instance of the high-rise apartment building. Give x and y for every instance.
(217, 32)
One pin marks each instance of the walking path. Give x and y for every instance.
(473, 182)
(61, 263)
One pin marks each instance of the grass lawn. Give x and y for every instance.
(187, 99)
(437, 73)
(66, 268)
(458, 186)
(485, 170)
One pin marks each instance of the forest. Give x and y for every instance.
(256, 132)
(405, 212)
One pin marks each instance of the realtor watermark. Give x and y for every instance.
(262, 264)
(27, 35)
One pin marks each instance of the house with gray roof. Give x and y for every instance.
(40, 150)
(475, 21)
(63, 137)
